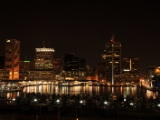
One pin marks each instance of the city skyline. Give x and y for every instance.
(83, 28)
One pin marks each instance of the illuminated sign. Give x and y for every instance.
(126, 70)
(44, 50)
(26, 61)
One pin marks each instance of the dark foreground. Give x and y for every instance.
(70, 113)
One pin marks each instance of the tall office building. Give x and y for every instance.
(74, 68)
(12, 57)
(44, 59)
(113, 62)
(71, 66)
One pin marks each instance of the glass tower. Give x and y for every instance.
(113, 62)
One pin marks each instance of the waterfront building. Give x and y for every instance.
(25, 66)
(43, 65)
(102, 67)
(4, 74)
(130, 70)
(12, 57)
(151, 72)
(44, 59)
(113, 62)
(92, 74)
(58, 65)
(153, 76)
(73, 68)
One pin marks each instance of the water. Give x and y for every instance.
(91, 90)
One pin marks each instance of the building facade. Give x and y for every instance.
(44, 59)
(25, 66)
(12, 57)
(102, 67)
(74, 68)
(113, 62)
(130, 70)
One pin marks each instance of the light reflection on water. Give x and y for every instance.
(92, 90)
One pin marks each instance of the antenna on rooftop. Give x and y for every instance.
(112, 38)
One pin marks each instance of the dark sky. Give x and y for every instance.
(83, 28)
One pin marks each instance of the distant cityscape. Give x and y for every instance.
(112, 70)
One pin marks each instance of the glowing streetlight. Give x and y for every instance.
(81, 101)
(13, 99)
(105, 102)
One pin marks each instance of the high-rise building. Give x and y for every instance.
(71, 66)
(12, 57)
(74, 68)
(25, 66)
(113, 62)
(130, 70)
(102, 67)
(44, 59)
(58, 65)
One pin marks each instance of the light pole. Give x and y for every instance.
(58, 102)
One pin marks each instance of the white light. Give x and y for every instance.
(8, 40)
(44, 50)
(13, 99)
(58, 101)
(158, 105)
(126, 70)
(131, 103)
(35, 100)
(105, 102)
(81, 101)
(125, 99)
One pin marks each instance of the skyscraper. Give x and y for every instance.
(113, 62)
(44, 59)
(12, 57)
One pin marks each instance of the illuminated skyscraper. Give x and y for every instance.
(12, 57)
(113, 62)
(44, 59)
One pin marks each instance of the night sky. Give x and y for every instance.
(83, 28)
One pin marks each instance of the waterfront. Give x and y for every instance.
(86, 101)
(54, 88)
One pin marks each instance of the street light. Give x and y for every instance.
(105, 102)
(13, 99)
(58, 101)
(131, 104)
(81, 101)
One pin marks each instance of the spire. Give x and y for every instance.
(112, 38)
